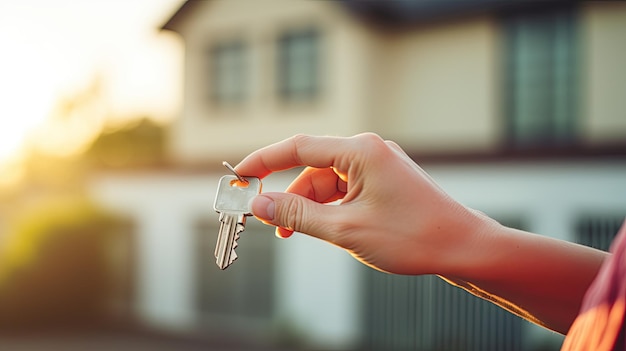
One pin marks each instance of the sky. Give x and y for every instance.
(54, 49)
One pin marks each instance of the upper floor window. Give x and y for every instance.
(228, 67)
(541, 78)
(299, 64)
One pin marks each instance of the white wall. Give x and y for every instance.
(316, 284)
(206, 130)
(604, 74)
(163, 208)
(437, 85)
(548, 195)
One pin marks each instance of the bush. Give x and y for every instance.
(55, 268)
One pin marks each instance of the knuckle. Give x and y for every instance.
(293, 213)
(371, 143)
(299, 141)
(392, 143)
(299, 138)
(369, 137)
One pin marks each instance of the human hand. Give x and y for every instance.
(392, 215)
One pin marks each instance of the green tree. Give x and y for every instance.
(137, 144)
(56, 269)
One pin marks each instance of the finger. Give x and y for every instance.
(322, 185)
(293, 212)
(318, 184)
(394, 146)
(304, 150)
(299, 150)
(283, 233)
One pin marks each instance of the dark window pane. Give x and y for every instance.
(246, 289)
(426, 313)
(228, 72)
(541, 78)
(598, 231)
(298, 64)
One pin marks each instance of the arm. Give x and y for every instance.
(394, 217)
(539, 278)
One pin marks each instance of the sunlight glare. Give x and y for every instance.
(53, 49)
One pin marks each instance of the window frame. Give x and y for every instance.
(307, 40)
(221, 53)
(560, 104)
(214, 298)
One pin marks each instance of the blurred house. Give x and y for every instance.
(516, 108)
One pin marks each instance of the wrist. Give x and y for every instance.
(472, 254)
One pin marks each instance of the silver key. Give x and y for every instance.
(232, 202)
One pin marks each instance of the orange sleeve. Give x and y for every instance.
(600, 323)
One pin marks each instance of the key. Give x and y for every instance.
(232, 202)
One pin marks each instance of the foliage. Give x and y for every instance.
(137, 144)
(54, 268)
(56, 247)
(140, 144)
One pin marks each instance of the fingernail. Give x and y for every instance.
(263, 207)
(283, 233)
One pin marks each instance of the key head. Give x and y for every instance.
(233, 196)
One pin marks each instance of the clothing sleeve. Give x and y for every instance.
(600, 322)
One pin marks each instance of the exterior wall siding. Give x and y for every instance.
(604, 27)
(437, 86)
(206, 131)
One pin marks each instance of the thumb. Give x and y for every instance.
(293, 212)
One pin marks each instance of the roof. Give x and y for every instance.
(180, 14)
(400, 13)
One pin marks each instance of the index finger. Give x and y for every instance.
(299, 150)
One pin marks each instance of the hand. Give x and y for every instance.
(392, 215)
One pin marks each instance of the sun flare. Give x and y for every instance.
(51, 50)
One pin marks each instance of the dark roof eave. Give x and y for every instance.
(400, 13)
(404, 13)
(615, 152)
(173, 22)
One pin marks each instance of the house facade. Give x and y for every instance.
(515, 109)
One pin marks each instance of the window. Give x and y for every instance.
(598, 231)
(228, 63)
(541, 78)
(246, 290)
(426, 313)
(298, 64)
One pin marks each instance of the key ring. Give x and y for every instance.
(230, 168)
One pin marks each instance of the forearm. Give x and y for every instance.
(537, 277)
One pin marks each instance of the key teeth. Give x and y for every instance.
(233, 257)
(235, 244)
(240, 228)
